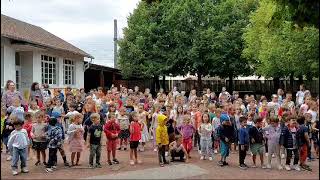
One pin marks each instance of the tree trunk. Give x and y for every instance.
(164, 83)
(276, 84)
(230, 84)
(157, 84)
(291, 82)
(300, 79)
(199, 89)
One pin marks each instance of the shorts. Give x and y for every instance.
(112, 144)
(134, 144)
(124, 134)
(224, 149)
(257, 148)
(39, 146)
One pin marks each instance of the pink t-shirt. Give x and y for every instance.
(136, 134)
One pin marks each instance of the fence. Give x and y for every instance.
(257, 87)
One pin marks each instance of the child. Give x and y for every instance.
(273, 132)
(243, 142)
(303, 142)
(3, 119)
(288, 140)
(112, 129)
(215, 124)
(67, 117)
(17, 144)
(39, 143)
(54, 137)
(124, 128)
(186, 130)
(162, 139)
(225, 133)
(205, 131)
(60, 146)
(196, 119)
(256, 142)
(154, 124)
(16, 109)
(144, 129)
(135, 136)
(8, 128)
(33, 108)
(308, 123)
(76, 140)
(94, 135)
(177, 149)
(28, 127)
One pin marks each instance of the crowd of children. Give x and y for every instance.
(174, 123)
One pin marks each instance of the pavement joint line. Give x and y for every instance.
(175, 171)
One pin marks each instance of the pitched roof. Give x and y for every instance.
(22, 31)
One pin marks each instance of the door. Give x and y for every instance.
(18, 71)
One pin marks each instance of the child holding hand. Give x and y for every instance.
(135, 136)
(205, 131)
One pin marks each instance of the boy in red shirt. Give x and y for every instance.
(112, 129)
(28, 127)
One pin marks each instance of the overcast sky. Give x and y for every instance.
(88, 24)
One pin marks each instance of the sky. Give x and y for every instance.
(87, 24)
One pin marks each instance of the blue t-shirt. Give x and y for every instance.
(243, 136)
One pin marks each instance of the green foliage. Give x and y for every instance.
(276, 47)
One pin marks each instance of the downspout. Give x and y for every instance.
(87, 66)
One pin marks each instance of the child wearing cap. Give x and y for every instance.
(225, 133)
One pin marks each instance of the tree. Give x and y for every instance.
(277, 47)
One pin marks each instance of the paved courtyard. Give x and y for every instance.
(195, 169)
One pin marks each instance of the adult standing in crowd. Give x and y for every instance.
(36, 94)
(10, 94)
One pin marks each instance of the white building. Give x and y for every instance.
(31, 54)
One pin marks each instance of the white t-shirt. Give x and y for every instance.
(300, 97)
(313, 114)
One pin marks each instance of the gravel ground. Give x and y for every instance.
(149, 157)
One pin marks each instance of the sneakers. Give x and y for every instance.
(9, 158)
(91, 166)
(210, 158)
(37, 163)
(109, 163)
(66, 164)
(305, 167)
(199, 151)
(243, 167)
(225, 163)
(254, 166)
(280, 167)
(24, 170)
(54, 167)
(287, 167)
(269, 166)
(202, 158)
(119, 148)
(216, 151)
(115, 161)
(98, 165)
(220, 163)
(161, 164)
(49, 170)
(296, 167)
(14, 172)
(125, 149)
(264, 167)
(131, 162)
(155, 149)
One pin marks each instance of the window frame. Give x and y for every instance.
(69, 72)
(49, 69)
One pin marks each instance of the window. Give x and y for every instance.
(48, 69)
(68, 72)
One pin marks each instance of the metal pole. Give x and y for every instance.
(115, 40)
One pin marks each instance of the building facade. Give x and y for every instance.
(31, 54)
